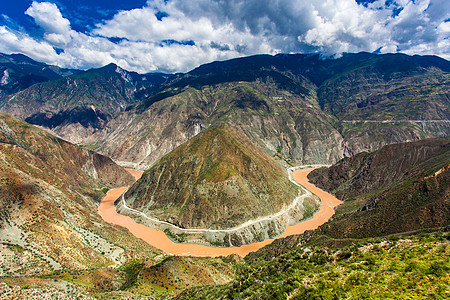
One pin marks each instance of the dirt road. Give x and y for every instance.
(159, 240)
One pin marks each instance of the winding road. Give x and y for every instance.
(158, 239)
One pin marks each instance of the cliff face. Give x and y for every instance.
(399, 188)
(217, 180)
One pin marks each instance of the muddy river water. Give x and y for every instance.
(159, 240)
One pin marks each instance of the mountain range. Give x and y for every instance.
(293, 105)
(75, 106)
(307, 109)
(214, 144)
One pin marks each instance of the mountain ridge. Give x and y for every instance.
(388, 99)
(75, 106)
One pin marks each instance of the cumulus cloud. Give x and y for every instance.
(177, 35)
(48, 16)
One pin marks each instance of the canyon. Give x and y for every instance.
(158, 239)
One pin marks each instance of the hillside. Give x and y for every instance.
(399, 188)
(389, 268)
(76, 106)
(389, 239)
(305, 108)
(217, 180)
(49, 190)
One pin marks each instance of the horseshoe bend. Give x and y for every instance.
(218, 189)
(158, 238)
(220, 209)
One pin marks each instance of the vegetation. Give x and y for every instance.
(396, 267)
(399, 188)
(294, 107)
(217, 180)
(131, 269)
(180, 238)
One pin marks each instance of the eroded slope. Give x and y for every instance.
(48, 193)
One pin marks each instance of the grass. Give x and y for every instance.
(180, 238)
(400, 268)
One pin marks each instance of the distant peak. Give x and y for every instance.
(112, 66)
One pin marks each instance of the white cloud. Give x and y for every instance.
(48, 16)
(16, 42)
(223, 29)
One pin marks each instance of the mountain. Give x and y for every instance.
(218, 180)
(49, 193)
(301, 107)
(394, 221)
(297, 108)
(304, 108)
(18, 72)
(399, 188)
(76, 106)
(275, 119)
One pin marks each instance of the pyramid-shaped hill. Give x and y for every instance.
(217, 180)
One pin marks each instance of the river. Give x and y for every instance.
(158, 239)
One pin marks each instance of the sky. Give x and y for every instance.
(178, 35)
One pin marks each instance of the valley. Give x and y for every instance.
(283, 176)
(159, 240)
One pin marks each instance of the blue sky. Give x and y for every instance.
(178, 35)
(83, 14)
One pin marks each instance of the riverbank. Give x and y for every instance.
(159, 239)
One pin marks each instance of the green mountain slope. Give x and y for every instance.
(397, 267)
(217, 180)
